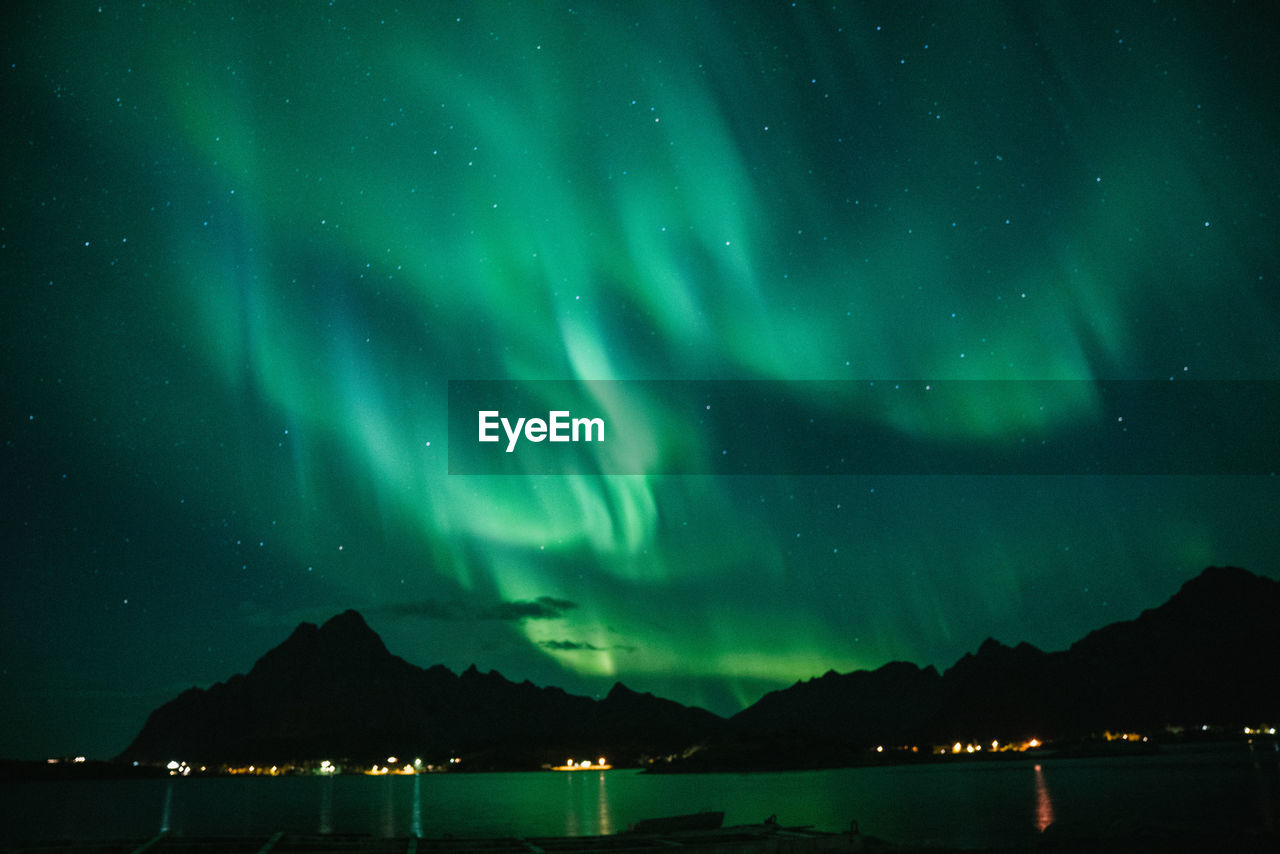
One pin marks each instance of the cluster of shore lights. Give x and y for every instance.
(393, 766)
(995, 747)
(585, 765)
(177, 768)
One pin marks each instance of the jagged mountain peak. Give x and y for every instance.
(621, 692)
(1168, 665)
(335, 691)
(349, 623)
(344, 643)
(1210, 653)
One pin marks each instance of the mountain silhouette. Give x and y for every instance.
(334, 691)
(1210, 655)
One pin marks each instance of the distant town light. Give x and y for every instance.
(173, 765)
(571, 764)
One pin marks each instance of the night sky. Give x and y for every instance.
(245, 247)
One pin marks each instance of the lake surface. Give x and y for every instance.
(962, 803)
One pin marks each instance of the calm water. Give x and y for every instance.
(968, 804)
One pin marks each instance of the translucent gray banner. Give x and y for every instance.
(916, 427)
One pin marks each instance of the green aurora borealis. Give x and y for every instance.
(245, 247)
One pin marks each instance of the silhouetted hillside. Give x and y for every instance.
(1211, 654)
(336, 692)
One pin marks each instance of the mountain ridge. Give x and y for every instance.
(335, 691)
(1208, 655)
(1211, 653)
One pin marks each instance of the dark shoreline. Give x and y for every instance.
(711, 761)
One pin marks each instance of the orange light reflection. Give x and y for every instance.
(1044, 804)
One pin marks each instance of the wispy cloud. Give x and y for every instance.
(542, 608)
(582, 646)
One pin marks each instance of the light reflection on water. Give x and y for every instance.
(602, 806)
(415, 823)
(1044, 804)
(167, 813)
(388, 828)
(587, 812)
(326, 805)
(968, 804)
